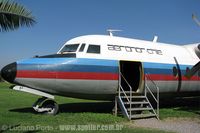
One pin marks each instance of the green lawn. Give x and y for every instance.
(16, 114)
(183, 107)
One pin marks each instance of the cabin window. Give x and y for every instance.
(70, 48)
(82, 47)
(175, 71)
(94, 49)
(187, 69)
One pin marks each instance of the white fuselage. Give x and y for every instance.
(92, 69)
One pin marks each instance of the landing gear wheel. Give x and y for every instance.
(51, 107)
(46, 106)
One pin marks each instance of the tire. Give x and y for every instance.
(51, 104)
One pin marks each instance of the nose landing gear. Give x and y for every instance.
(46, 106)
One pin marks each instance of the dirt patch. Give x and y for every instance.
(178, 125)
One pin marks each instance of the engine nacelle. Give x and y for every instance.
(197, 50)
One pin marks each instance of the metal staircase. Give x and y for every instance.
(134, 105)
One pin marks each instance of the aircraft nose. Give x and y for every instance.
(9, 72)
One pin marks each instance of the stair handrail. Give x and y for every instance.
(126, 81)
(147, 77)
(129, 99)
(121, 75)
(124, 93)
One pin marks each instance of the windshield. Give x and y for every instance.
(69, 48)
(69, 55)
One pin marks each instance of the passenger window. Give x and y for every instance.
(175, 71)
(94, 49)
(187, 69)
(82, 47)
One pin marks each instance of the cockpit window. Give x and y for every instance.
(69, 48)
(94, 49)
(82, 47)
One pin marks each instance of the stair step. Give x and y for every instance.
(142, 116)
(133, 96)
(138, 109)
(133, 92)
(136, 102)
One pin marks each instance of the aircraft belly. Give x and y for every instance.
(164, 86)
(46, 85)
(60, 86)
(190, 86)
(87, 86)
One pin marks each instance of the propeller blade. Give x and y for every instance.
(194, 69)
(195, 19)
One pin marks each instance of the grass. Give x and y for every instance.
(181, 107)
(16, 114)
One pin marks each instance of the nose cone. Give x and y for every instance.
(9, 72)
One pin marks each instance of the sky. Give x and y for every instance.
(61, 20)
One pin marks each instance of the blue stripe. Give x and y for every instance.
(157, 71)
(161, 68)
(69, 68)
(72, 61)
(163, 65)
(161, 71)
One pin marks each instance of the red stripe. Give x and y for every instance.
(67, 75)
(193, 78)
(35, 74)
(93, 76)
(171, 78)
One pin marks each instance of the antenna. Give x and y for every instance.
(155, 39)
(111, 31)
(195, 19)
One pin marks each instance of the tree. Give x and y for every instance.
(13, 16)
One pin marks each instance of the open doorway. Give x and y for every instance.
(131, 73)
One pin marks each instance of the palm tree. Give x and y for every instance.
(13, 16)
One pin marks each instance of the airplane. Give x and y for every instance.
(91, 66)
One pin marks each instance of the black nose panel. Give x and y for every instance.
(9, 72)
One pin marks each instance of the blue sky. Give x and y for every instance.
(61, 20)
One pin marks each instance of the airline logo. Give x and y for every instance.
(134, 49)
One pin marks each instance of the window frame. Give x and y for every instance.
(70, 51)
(84, 47)
(99, 50)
